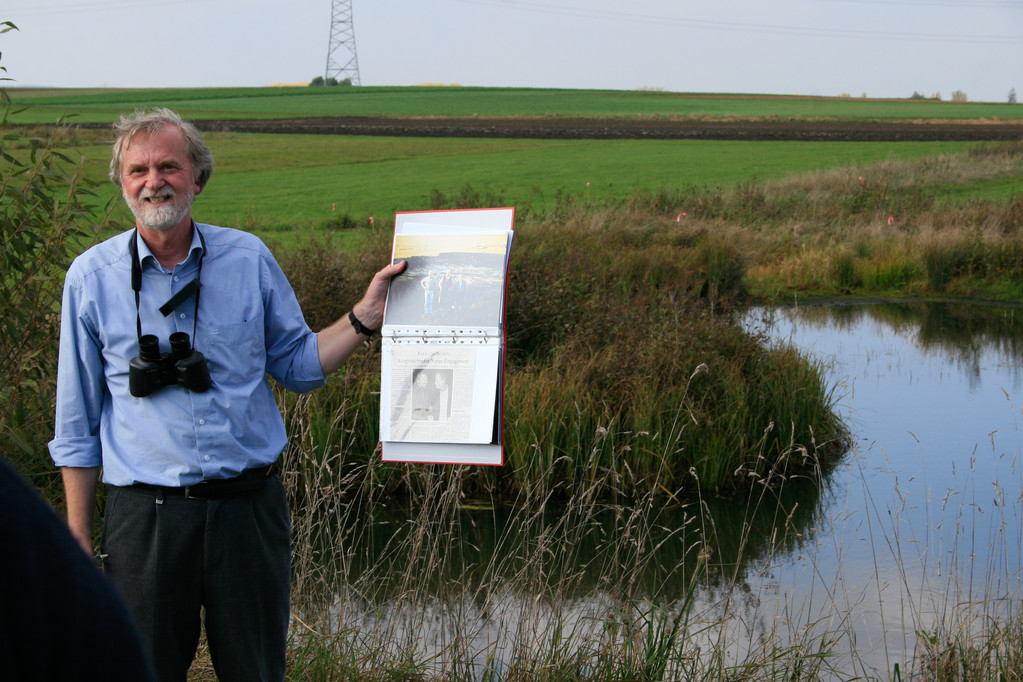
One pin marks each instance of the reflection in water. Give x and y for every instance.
(961, 334)
(649, 550)
(501, 581)
(926, 516)
(917, 528)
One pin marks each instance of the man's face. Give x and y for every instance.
(157, 180)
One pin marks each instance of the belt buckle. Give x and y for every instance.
(189, 489)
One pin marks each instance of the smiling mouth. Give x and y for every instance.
(156, 198)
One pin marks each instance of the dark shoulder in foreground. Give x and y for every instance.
(60, 619)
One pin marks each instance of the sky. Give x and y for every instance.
(877, 48)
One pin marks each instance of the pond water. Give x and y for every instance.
(923, 515)
(916, 527)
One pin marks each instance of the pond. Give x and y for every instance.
(922, 519)
(917, 527)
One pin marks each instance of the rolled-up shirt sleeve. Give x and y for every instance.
(292, 354)
(80, 384)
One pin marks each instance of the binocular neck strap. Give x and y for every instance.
(177, 299)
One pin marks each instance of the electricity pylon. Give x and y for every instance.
(342, 62)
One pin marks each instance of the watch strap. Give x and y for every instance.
(359, 327)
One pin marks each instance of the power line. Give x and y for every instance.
(101, 6)
(611, 15)
(971, 4)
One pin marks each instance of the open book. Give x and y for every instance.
(441, 379)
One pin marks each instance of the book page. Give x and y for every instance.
(439, 393)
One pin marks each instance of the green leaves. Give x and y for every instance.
(48, 214)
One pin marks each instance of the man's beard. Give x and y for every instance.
(164, 215)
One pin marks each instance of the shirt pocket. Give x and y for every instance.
(235, 352)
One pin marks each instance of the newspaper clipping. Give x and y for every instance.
(433, 396)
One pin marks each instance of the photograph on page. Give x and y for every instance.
(451, 280)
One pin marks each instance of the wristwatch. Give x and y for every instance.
(359, 327)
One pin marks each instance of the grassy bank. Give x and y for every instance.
(944, 226)
(611, 337)
(619, 341)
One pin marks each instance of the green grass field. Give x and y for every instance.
(102, 105)
(275, 183)
(282, 182)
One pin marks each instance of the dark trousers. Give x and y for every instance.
(171, 556)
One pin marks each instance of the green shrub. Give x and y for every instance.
(620, 380)
(47, 214)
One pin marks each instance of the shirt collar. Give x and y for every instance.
(194, 251)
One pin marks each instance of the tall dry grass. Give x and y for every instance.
(897, 228)
(442, 584)
(618, 330)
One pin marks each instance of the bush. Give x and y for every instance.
(621, 378)
(47, 214)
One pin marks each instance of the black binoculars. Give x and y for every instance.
(183, 366)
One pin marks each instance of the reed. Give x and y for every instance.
(906, 228)
(441, 585)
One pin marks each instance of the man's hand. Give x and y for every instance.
(337, 342)
(370, 310)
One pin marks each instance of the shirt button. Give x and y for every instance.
(201, 422)
(207, 458)
(176, 278)
(182, 316)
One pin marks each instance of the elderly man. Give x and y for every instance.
(167, 334)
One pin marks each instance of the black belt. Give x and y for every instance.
(245, 483)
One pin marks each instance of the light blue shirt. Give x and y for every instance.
(250, 326)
